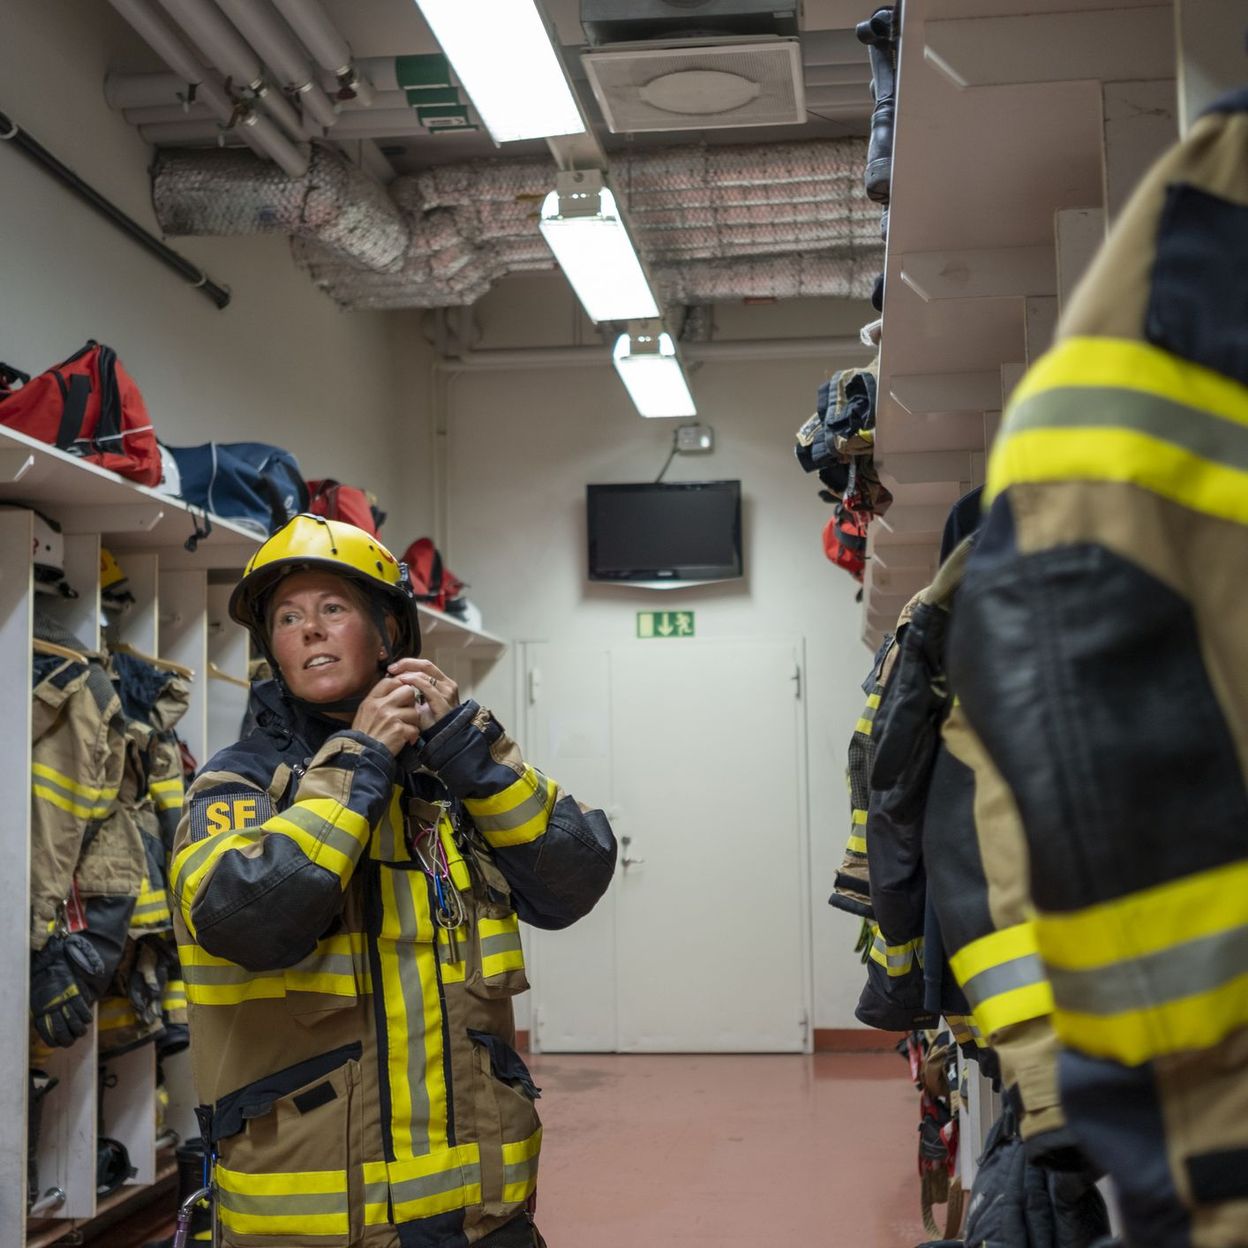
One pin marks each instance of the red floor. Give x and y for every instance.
(730, 1151)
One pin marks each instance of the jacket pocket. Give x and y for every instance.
(509, 1127)
(289, 1168)
(494, 965)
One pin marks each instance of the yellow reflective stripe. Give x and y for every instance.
(217, 981)
(61, 802)
(1147, 941)
(174, 997)
(1126, 364)
(282, 1183)
(856, 844)
(1003, 978)
(1124, 456)
(439, 1182)
(1136, 1036)
(168, 794)
(518, 815)
(259, 989)
(68, 782)
(897, 960)
(522, 1150)
(312, 825)
(298, 1203)
(1146, 922)
(994, 949)
(200, 857)
(376, 1194)
(1157, 426)
(520, 1168)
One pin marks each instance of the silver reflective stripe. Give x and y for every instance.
(323, 830)
(302, 1203)
(376, 1193)
(1212, 437)
(435, 1184)
(895, 961)
(413, 1006)
(530, 808)
(205, 848)
(519, 1172)
(1154, 979)
(507, 942)
(1017, 973)
(327, 964)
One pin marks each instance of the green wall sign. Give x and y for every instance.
(665, 624)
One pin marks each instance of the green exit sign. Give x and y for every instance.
(664, 624)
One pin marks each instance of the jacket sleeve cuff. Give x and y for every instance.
(457, 748)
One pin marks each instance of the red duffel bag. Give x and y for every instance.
(89, 406)
(335, 501)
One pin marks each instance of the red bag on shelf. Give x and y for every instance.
(433, 582)
(89, 406)
(346, 503)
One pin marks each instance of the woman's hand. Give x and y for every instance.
(390, 714)
(439, 693)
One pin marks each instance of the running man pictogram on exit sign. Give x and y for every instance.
(665, 624)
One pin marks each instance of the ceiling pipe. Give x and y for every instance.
(225, 48)
(258, 132)
(280, 51)
(331, 51)
(171, 132)
(523, 359)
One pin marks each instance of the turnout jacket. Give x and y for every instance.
(1099, 648)
(358, 1055)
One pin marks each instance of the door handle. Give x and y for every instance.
(626, 861)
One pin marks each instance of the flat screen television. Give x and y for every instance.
(649, 531)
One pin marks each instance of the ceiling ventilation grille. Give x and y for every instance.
(698, 87)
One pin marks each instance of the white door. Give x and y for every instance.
(695, 749)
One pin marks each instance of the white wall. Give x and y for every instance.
(281, 364)
(523, 445)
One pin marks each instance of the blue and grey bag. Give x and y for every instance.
(250, 483)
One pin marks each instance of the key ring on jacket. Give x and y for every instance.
(450, 912)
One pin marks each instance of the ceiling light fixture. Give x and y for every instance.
(651, 371)
(502, 53)
(584, 226)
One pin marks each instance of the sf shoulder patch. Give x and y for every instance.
(224, 810)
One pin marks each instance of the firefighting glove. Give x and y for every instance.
(61, 996)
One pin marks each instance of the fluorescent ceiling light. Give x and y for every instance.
(582, 225)
(502, 54)
(651, 372)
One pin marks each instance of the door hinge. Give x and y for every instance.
(535, 685)
(804, 1024)
(796, 678)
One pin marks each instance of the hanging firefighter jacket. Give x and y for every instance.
(85, 864)
(349, 934)
(852, 887)
(1100, 649)
(154, 699)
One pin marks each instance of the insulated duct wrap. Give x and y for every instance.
(231, 192)
(728, 222)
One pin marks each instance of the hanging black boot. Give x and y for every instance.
(879, 33)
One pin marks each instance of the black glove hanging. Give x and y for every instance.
(62, 975)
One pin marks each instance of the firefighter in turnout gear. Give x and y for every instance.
(347, 884)
(1099, 649)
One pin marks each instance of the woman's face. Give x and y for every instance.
(323, 637)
